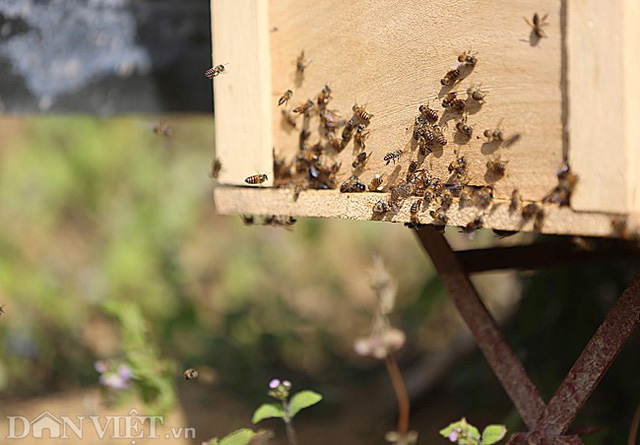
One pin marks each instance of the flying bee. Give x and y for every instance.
(215, 71)
(529, 211)
(439, 216)
(361, 135)
(304, 108)
(474, 225)
(285, 98)
(286, 116)
(538, 24)
(325, 96)
(429, 113)
(279, 221)
(467, 58)
(190, 374)
(381, 207)
(301, 63)
(257, 179)
(464, 128)
(538, 223)
(214, 168)
(450, 77)
(392, 156)
(360, 160)
(162, 130)
(375, 184)
(1, 309)
(347, 131)
(477, 94)
(516, 201)
(248, 220)
(360, 111)
(329, 119)
(497, 167)
(484, 196)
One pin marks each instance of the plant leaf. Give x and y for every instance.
(493, 434)
(240, 437)
(302, 400)
(267, 411)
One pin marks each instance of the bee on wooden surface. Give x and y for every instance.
(450, 77)
(325, 96)
(215, 71)
(329, 119)
(162, 130)
(477, 94)
(288, 118)
(438, 135)
(302, 63)
(214, 168)
(360, 111)
(248, 220)
(428, 197)
(446, 200)
(392, 156)
(285, 98)
(452, 102)
(468, 58)
(361, 136)
(464, 128)
(360, 160)
(561, 194)
(381, 207)
(458, 166)
(474, 225)
(375, 184)
(303, 108)
(439, 216)
(347, 131)
(516, 201)
(539, 221)
(429, 113)
(484, 196)
(449, 98)
(529, 211)
(466, 198)
(497, 167)
(413, 210)
(190, 374)
(413, 166)
(257, 179)
(335, 143)
(494, 135)
(352, 185)
(538, 24)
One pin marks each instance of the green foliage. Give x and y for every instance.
(267, 411)
(493, 434)
(240, 437)
(463, 433)
(302, 400)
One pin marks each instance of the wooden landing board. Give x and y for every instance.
(391, 56)
(332, 204)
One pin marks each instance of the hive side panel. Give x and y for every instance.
(391, 56)
(632, 95)
(242, 94)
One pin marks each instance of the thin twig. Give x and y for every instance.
(401, 394)
(291, 432)
(633, 432)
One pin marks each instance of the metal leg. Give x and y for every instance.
(546, 423)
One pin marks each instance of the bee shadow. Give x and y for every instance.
(298, 79)
(461, 138)
(393, 176)
(489, 147)
(491, 177)
(473, 106)
(534, 38)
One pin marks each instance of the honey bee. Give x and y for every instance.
(392, 156)
(497, 167)
(329, 119)
(286, 116)
(458, 166)
(467, 58)
(439, 135)
(516, 201)
(413, 166)
(454, 103)
(360, 160)
(539, 221)
(484, 196)
(301, 63)
(375, 184)
(257, 179)
(1, 309)
(413, 210)
(335, 144)
(429, 113)
(304, 108)
(446, 200)
(347, 131)
(285, 98)
(248, 220)
(428, 197)
(494, 135)
(215, 71)
(477, 94)
(449, 98)
(450, 77)
(162, 130)
(381, 207)
(279, 221)
(464, 128)
(361, 136)
(190, 374)
(474, 225)
(325, 96)
(561, 194)
(538, 24)
(352, 185)
(214, 168)
(439, 216)
(529, 211)
(361, 112)
(466, 199)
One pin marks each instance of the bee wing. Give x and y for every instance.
(528, 22)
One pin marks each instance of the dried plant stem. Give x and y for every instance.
(291, 432)
(633, 432)
(401, 394)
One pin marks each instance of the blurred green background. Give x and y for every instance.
(110, 249)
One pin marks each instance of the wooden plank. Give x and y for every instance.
(391, 56)
(242, 95)
(332, 204)
(604, 103)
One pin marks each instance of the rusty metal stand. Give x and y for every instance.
(547, 423)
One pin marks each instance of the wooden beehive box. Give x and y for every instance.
(570, 97)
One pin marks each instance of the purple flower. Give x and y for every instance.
(114, 379)
(273, 384)
(453, 437)
(100, 366)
